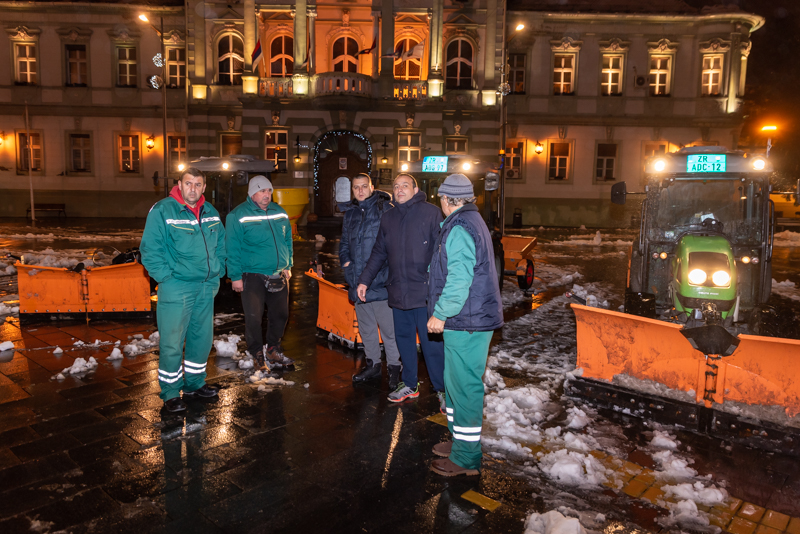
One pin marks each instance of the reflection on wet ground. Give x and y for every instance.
(96, 453)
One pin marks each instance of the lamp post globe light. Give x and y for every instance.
(502, 91)
(160, 60)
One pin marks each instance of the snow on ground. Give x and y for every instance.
(227, 345)
(138, 345)
(786, 289)
(596, 240)
(75, 235)
(552, 522)
(787, 238)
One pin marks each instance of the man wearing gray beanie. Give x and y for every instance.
(259, 236)
(464, 305)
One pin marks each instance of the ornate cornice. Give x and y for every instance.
(715, 45)
(121, 34)
(471, 35)
(74, 34)
(23, 33)
(615, 45)
(664, 46)
(566, 44)
(174, 37)
(745, 48)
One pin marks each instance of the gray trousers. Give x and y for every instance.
(371, 316)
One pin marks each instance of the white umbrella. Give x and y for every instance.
(233, 163)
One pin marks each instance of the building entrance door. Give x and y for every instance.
(338, 157)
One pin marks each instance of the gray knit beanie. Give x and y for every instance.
(257, 183)
(456, 186)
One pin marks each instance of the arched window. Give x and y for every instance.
(230, 57)
(458, 70)
(281, 57)
(345, 55)
(408, 69)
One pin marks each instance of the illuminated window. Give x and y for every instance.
(29, 158)
(558, 169)
(281, 61)
(606, 167)
(516, 73)
(458, 66)
(230, 60)
(563, 74)
(128, 153)
(409, 147)
(77, 66)
(276, 148)
(176, 67)
(408, 69)
(345, 55)
(514, 155)
(26, 63)
(177, 152)
(659, 79)
(712, 74)
(611, 80)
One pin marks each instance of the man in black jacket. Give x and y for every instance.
(362, 219)
(406, 238)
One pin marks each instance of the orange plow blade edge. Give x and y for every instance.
(761, 371)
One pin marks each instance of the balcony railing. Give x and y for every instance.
(342, 83)
(275, 87)
(411, 90)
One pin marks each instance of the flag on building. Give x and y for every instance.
(399, 51)
(371, 48)
(416, 52)
(257, 55)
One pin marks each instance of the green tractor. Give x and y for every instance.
(703, 253)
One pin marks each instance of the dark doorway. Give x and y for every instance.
(338, 154)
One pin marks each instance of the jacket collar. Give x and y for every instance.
(367, 203)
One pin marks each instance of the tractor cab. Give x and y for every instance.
(704, 247)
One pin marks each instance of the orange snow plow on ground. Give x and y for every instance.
(336, 315)
(117, 289)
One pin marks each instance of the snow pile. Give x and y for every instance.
(573, 468)
(263, 379)
(116, 354)
(6, 309)
(663, 440)
(80, 366)
(672, 467)
(685, 515)
(512, 294)
(138, 345)
(6, 345)
(10, 269)
(598, 238)
(708, 496)
(516, 413)
(595, 240)
(577, 418)
(552, 522)
(58, 350)
(591, 299)
(565, 280)
(222, 318)
(787, 238)
(227, 348)
(786, 289)
(246, 364)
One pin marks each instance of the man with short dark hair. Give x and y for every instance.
(362, 219)
(260, 251)
(464, 304)
(183, 249)
(406, 239)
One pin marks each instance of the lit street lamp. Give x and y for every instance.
(502, 91)
(770, 128)
(161, 61)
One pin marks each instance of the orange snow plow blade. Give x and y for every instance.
(336, 315)
(116, 288)
(761, 371)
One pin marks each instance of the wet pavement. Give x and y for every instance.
(96, 453)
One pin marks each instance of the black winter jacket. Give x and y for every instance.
(406, 238)
(359, 231)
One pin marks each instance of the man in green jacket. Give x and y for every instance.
(183, 249)
(259, 241)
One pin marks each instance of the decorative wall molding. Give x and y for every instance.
(23, 33)
(745, 48)
(122, 34)
(715, 45)
(615, 45)
(74, 34)
(566, 44)
(663, 46)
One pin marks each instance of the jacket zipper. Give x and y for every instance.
(274, 241)
(205, 244)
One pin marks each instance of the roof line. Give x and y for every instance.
(755, 21)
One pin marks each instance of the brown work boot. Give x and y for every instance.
(276, 358)
(445, 467)
(261, 364)
(443, 449)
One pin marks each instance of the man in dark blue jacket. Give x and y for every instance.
(362, 218)
(406, 238)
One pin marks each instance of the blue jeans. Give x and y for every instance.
(406, 325)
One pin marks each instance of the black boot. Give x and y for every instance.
(394, 376)
(369, 372)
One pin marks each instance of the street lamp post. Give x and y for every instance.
(504, 90)
(164, 78)
(769, 139)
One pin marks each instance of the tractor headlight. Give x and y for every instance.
(697, 276)
(759, 164)
(745, 259)
(721, 279)
(659, 165)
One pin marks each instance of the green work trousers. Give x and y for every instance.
(465, 355)
(185, 315)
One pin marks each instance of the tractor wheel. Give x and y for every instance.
(525, 281)
(634, 269)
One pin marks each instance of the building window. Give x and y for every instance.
(281, 61)
(26, 63)
(77, 66)
(345, 55)
(29, 158)
(606, 167)
(177, 152)
(230, 58)
(514, 154)
(455, 145)
(176, 67)
(563, 74)
(458, 69)
(410, 147)
(559, 162)
(406, 69)
(516, 73)
(611, 82)
(128, 153)
(659, 78)
(80, 153)
(126, 66)
(276, 148)
(230, 144)
(712, 74)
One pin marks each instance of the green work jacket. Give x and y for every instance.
(258, 241)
